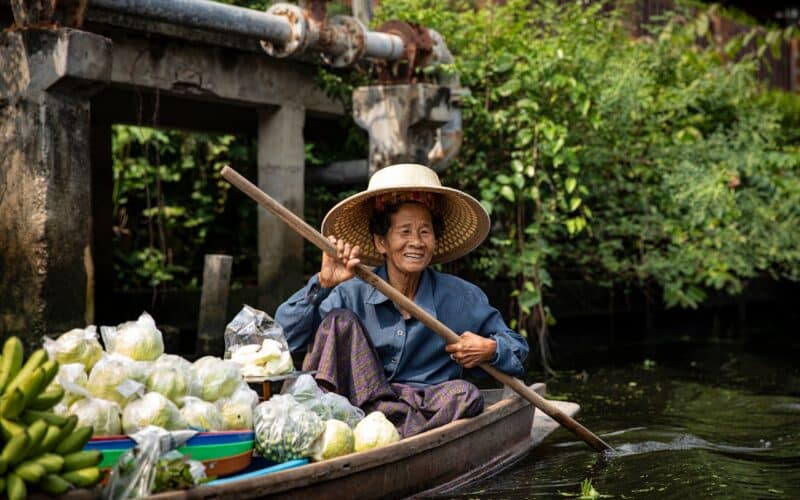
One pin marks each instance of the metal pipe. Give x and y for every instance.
(383, 46)
(220, 17)
(205, 14)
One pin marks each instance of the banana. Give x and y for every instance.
(47, 399)
(83, 478)
(51, 462)
(54, 485)
(11, 362)
(12, 404)
(10, 429)
(15, 449)
(32, 385)
(31, 416)
(37, 358)
(82, 459)
(30, 472)
(50, 368)
(36, 432)
(74, 442)
(50, 438)
(15, 487)
(66, 430)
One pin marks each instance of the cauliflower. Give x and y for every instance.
(374, 431)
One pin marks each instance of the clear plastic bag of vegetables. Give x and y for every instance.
(262, 339)
(154, 465)
(116, 378)
(140, 340)
(237, 410)
(327, 405)
(151, 409)
(170, 376)
(202, 415)
(285, 429)
(79, 345)
(215, 378)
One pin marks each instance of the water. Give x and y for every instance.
(702, 421)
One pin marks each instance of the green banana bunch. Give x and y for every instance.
(39, 450)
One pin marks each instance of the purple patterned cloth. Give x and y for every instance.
(348, 364)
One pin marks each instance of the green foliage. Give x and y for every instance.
(656, 162)
(171, 206)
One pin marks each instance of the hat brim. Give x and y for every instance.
(466, 223)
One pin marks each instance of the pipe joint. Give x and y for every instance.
(351, 36)
(299, 30)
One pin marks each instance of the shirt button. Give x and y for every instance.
(394, 360)
(400, 333)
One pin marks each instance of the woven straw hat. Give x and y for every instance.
(466, 222)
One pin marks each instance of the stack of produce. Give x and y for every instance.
(133, 383)
(256, 342)
(40, 450)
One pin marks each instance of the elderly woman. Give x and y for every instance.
(366, 348)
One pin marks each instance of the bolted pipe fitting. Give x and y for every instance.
(298, 26)
(350, 34)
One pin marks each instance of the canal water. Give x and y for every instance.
(710, 418)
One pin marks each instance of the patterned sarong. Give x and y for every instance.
(348, 364)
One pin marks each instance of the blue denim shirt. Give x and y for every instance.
(410, 352)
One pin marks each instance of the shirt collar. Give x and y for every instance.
(424, 297)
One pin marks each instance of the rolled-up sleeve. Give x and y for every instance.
(302, 313)
(512, 348)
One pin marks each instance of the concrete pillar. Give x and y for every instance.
(46, 78)
(281, 156)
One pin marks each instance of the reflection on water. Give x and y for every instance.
(730, 430)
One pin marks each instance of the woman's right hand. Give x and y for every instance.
(341, 267)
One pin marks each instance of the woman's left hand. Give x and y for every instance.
(471, 350)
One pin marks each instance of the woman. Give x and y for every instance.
(364, 347)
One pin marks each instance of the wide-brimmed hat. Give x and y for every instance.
(466, 222)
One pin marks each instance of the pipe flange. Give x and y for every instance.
(299, 31)
(355, 35)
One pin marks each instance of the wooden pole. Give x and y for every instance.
(407, 304)
(214, 305)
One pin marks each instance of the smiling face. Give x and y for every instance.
(410, 242)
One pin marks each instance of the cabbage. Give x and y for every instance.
(99, 414)
(215, 378)
(236, 415)
(169, 381)
(202, 415)
(76, 346)
(69, 377)
(336, 440)
(285, 429)
(244, 394)
(374, 431)
(151, 409)
(139, 340)
(114, 378)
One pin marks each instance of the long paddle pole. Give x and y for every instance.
(364, 272)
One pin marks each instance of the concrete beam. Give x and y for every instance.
(217, 74)
(45, 195)
(281, 157)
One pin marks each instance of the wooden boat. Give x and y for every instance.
(433, 462)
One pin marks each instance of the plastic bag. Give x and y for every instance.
(285, 429)
(76, 346)
(116, 378)
(151, 409)
(215, 378)
(139, 340)
(101, 415)
(170, 376)
(327, 405)
(237, 410)
(153, 466)
(252, 327)
(202, 415)
(70, 375)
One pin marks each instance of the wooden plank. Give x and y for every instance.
(214, 305)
